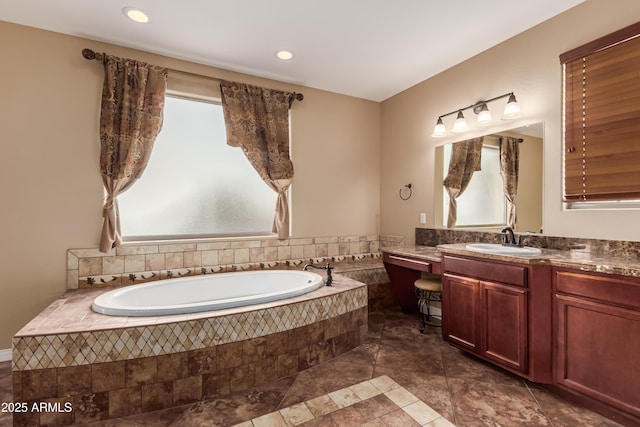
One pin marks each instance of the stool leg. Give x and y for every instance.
(421, 300)
(432, 296)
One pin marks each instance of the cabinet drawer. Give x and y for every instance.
(496, 272)
(611, 289)
(406, 262)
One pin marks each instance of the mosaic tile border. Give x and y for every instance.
(131, 264)
(101, 346)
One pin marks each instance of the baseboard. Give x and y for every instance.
(5, 355)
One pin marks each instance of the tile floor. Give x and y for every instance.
(398, 378)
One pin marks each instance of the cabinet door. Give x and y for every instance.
(597, 351)
(504, 333)
(461, 309)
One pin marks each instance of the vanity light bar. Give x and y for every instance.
(511, 111)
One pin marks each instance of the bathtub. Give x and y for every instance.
(206, 293)
(194, 357)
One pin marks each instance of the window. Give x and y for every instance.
(483, 202)
(602, 120)
(195, 185)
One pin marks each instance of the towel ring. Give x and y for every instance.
(410, 192)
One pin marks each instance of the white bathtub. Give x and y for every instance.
(206, 293)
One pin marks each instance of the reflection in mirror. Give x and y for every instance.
(483, 205)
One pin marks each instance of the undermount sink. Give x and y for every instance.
(494, 248)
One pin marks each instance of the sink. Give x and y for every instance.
(493, 248)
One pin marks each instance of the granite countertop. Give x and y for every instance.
(427, 253)
(578, 259)
(461, 249)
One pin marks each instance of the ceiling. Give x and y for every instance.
(370, 49)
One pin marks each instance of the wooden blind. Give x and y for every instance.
(602, 118)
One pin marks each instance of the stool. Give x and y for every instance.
(428, 289)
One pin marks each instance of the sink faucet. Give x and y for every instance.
(509, 239)
(326, 267)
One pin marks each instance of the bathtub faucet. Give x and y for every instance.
(326, 267)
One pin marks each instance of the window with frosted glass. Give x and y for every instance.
(195, 185)
(483, 202)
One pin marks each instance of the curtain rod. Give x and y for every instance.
(91, 55)
(520, 140)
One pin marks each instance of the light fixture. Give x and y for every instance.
(484, 115)
(285, 55)
(460, 125)
(136, 15)
(440, 130)
(512, 110)
(481, 108)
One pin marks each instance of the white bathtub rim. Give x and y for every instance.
(102, 304)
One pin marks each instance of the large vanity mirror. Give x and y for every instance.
(483, 204)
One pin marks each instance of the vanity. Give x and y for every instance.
(499, 311)
(566, 318)
(570, 322)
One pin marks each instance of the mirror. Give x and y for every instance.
(483, 205)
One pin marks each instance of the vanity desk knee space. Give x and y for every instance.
(404, 266)
(569, 321)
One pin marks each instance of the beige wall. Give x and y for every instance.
(50, 184)
(527, 65)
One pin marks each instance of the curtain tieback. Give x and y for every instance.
(108, 203)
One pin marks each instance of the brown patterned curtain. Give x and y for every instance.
(509, 167)
(465, 160)
(131, 118)
(257, 120)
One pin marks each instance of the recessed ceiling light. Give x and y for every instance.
(136, 15)
(284, 55)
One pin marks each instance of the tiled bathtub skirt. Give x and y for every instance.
(105, 373)
(70, 334)
(129, 264)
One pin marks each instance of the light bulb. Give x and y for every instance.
(136, 15)
(460, 125)
(484, 116)
(512, 109)
(284, 55)
(439, 130)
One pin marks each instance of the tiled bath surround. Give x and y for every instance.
(138, 263)
(104, 371)
(107, 367)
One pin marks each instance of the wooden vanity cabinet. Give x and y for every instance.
(597, 340)
(461, 311)
(486, 311)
